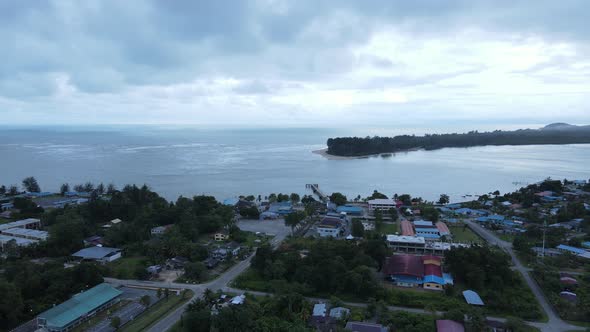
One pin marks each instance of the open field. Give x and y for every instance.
(125, 267)
(464, 234)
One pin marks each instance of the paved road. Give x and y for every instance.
(555, 323)
(222, 282)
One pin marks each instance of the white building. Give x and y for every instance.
(330, 226)
(382, 204)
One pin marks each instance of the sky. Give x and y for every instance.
(307, 63)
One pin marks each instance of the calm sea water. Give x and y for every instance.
(227, 163)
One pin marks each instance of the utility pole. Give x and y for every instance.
(544, 230)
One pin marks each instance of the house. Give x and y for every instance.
(416, 271)
(470, 212)
(381, 204)
(569, 296)
(112, 223)
(25, 233)
(238, 300)
(6, 240)
(233, 201)
(211, 262)
(549, 252)
(330, 227)
(232, 249)
(154, 269)
(6, 206)
(93, 241)
(221, 236)
(281, 208)
(159, 230)
(319, 320)
(573, 250)
(339, 313)
(446, 325)
(98, 254)
(80, 307)
(176, 263)
(472, 298)
(569, 281)
(365, 327)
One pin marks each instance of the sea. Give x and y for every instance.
(187, 161)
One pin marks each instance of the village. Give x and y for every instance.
(412, 249)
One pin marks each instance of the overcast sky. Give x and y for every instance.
(294, 63)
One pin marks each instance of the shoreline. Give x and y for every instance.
(324, 153)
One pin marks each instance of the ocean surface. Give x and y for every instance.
(188, 161)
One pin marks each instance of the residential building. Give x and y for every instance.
(6, 240)
(98, 254)
(25, 233)
(573, 250)
(446, 325)
(416, 271)
(365, 327)
(160, 230)
(382, 204)
(93, 240)
(176, 263)
(405, 243)
(330, 227)
(221, 236)
(78, 309)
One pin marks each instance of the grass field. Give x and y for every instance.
(389, 228)
(464, 234)
(125, 267)
(159, 310)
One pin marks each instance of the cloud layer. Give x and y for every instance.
(294, 63)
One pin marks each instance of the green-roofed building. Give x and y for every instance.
(79, 308)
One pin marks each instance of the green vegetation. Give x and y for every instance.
(359, 146)
(157, 311)
(464, 234)
(28, 289)
(128, 268)
(389, 228)
(548, 280)
(488, 272)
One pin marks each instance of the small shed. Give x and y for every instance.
(472, 298)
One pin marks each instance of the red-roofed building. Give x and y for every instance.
(407, 228)
(442, 228)
(446, 325)
(416, 271)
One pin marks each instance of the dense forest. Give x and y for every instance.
(359, 146)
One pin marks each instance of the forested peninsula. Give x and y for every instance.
(556, 133)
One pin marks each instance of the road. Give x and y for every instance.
(222, 282)
(555, 323)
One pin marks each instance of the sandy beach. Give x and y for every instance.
(324, 153)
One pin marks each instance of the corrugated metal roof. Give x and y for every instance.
(95, 252)
(79, 305)
(445, 325)
(472, 297)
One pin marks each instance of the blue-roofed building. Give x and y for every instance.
(586, 244)
(453, 206)
(350, 210)
(79, 308)
(471, 212)
(282, 208)
(576, 251)
(98, 254)
(472, 298)
(41, 194)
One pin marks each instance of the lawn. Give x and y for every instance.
(125, 267)
(159, 310)
(389, 228)
(464, 234)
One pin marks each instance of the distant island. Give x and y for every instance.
(555, 133)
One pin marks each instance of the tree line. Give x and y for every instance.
(361, 146)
